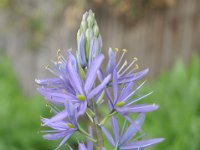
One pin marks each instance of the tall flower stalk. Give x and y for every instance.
(80, 86)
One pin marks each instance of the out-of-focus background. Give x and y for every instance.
(163, 34)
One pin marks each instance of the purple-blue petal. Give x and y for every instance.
(115, 128)
(133, 77)
(138, 108)
(115, 85)
(64, 140)
(132, 129)
(142, 144)
(81, 146)
(99, 88)
(92, 73)
(74, 77)
(112, 62)
(108, 136)
(81, 51)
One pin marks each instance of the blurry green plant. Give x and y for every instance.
(19, 125)
(178, 119)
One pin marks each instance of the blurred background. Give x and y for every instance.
(163, 34)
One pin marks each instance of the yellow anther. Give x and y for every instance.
(46, 105)
(59, 57)
(125, 63)
(116, 49)
(58, 52)
(70, 125)
(46, 66)
(59, 62)
(136, 66)
(135, 58)
(124, 50)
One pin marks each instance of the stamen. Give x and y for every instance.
(125, 63)
(133, 92)
(135, 68)
(140, 99)
(62, 59)
(119, 62)
(134, 60)
(50, 70)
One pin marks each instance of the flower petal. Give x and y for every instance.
(112, 62)
(81, 146)
(109, 137)
(81, 50)
(132, 129)
(138, 108)
(142, 143)
(74, 77)
(64, 140)
(115, 85)
(92, 71)
(133, 77)
(115, 128)
(100, 87)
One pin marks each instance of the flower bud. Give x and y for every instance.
(89, 42)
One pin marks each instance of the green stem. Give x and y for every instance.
(96, 128)
(81, 130)
(112, 113)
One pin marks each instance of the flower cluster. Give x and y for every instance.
(80, 86)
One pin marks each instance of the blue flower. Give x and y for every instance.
(123, 140)
(124, 74)
(69, 85)
(122, 100)
(63, 124)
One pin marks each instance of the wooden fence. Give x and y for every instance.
(157, 39)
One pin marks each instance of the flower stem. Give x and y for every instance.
(81, 130)
(112, 113)
(96, 128)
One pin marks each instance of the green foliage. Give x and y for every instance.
(20, 121)
(178, 119)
